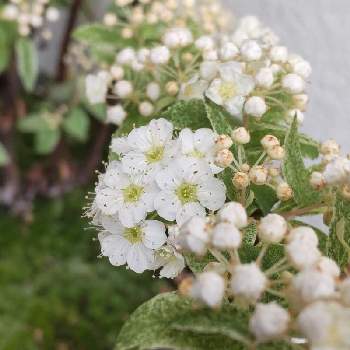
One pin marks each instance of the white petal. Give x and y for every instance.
(192, 170)
(161, 131)
(173, 268)
(107, 201)
(245, 84)
(116, 248)
(213, 92)
(235, 106)
(120, 145)
(167, 179)
(167, 204)
(134, 162)
(115, 176)
(154, 234)
(140, 139)
(188, 211)
(186, 139)
(229, 70)
(112, 224)
(212, 194)
(151, 191)
(140, 258)
(204, 140)
(130, 215)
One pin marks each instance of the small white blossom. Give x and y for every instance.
(126, 56)
(255, 106)
(177, 37)
(228, 51)
(293, 83)
(97, 87)
(193, 89)
(272, 228)
(328, 266)
(117, 72)
(209, 70)
(170, 261)
(153, 91)
(146, 108)
(264, 78)
(160, 55)
(226, 236)
(337, 172)
(205, 43)
(279, 54)
(116, 115)
(251, 50)
(241, 136)
(123, 88)
(234, 213)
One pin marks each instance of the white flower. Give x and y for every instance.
(205, 43)
(293, 83)
(146, 108)
(255, 106)
(133, 246)
(170, 261)
(97, 87)
(234, 213)
(130, 197)
(269, 322)
(209, 287)
(150, 148)
(326, 325)
(193, 89)
(228, 51)
(10, 12)
(241, 136)
(226, 236)
(300, 66)
(328, 266)
(264, 78)
(230, 90)
(248, 282)
(177, 37)
(117, 72)
(251, 50)
(153, 91)
(301, 101)
(209, 70)
(160, 55)
(116, 115)
(279, 54)
(126, 56)
(201, 145)
(272, 228)
(187, 187)
(330, 147)
(211, 55)
(123, 88)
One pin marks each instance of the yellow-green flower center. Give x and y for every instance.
(187, 193)
(227, 90)
(197, 154)
(132, 193)
(133, 235)
(155, 154)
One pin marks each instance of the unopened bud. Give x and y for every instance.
(187, 57)
(284, 192)
(172, 88)
(241, 180)
(300, 101)
(258, 175)
(330, 147)
(245, 168)
(240, 136)
(224, 158)
(223, 142)
(269, 141)
(317, 180)
(127, 33)
(276, 152)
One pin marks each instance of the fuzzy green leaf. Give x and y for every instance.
(197, 264)
(27, 62)
(3, 155)
(339, 245)
(46, 140)
(97, 34)
(32, 123)
(295, 171)
(265, 198)
(76, 124)
(249, 234)
(226, 176)
(187, 114)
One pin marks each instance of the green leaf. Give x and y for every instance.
(46, 140)
(4, 51)
(197, 264)
(97, 34)
(226, 176)
(99, 111)
(32, 123)
(295, 171)
(249, 234)
(339, 245)
(3, 155)
(187, 114)
(265, 198)
(28, 63)
(76, 124)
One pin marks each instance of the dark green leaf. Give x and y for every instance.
(3, 155)
(226, 176)
(32, 123)
(76, 124)
(46, 140)
(197, 264)
(265, 197)
(97, 34)
(4, 50)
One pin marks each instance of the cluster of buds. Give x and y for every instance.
(335, 169)
(30, 15)
(310, 282)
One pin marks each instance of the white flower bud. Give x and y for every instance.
(228, 51)
(234, 213)
(302, 254)
(177, 37)
(337, 172)
(123, 88)
(143, 55)
(205, 43)
(317, 180)
(153, 91)
(269, 322)
(160, 55)
(303, 235)
(328, 266)
(248, 282)
(284, 192)
(330, 147)
(344, 289)
(258, 175)
(211, 55)
(10, 12)
(117, 72)
(240, 180)
(293, 83)
(208, 70)
(269, 141)
(96, 87)
(255, 106)
(241, 136)
(251, 50)
(226, 236)
(172, 88)
(116, 115)
(301, 101)
(224, 158)
(146, 109)
(276, 152)
(223, 142)
(279, 54)
(265, 78)
(298, 114)
(209, 287)
(272, 228)
(52, 14)
(303, 68)
(126, 56)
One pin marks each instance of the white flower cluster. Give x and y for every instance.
(336, 169)
(244, 72)
(317, 296)
(30, 15)
(155, 176)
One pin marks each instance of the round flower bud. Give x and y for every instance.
(123, 88)
(269, 322)
(276, 152)
(187, 57)
(240, 180)
(126, 56)
(205, 43)
(328, 266)
(241, 136)
(110, 19)
(143, 54)
(303, 235)
(117, 72)
(293, 83)
(269, 141)
(224, 158)
(211, 55)
(337, 172)
(228, 51)
(226, 236)
(223, 142)
(209, 287)
(272, 228)
(127, 33)
(330, 147)
(284, 192)
(208, 70)
(302, 254)
(153, 91)
(292, 113)
(116, 115)
(234, 213)
(146, 109)
(345, 192)
(279, 54)
(177, 37)
(172, 88)
(302, 68)
(248, 282)
(258, 175)
(255, 106)
(251, 50)
(265, 78)
(317, 180)
(52, 14)
(344, 289)
(300, 101)
(245, 168)
(160, 55)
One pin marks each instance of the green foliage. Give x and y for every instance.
(76, 124)
(265, 198)
(339, 245)
(4, 50)
(3, 155)
(295, 171)
(197, 264)
(97, 34)
(55, 293)
(46, 140)
(226, 176)
(27, 62)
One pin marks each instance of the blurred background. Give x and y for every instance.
(54, 293)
